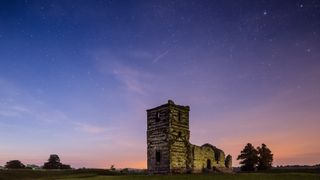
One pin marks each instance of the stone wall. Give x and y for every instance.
(207, 157)
(168, 146)
(203, 157)
(219, 157)
(157, 140)
(179, 138)
(228, 161)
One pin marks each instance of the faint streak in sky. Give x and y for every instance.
(155, 60)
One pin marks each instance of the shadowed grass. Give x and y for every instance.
(96, 174)
(26, 174)
(253, 176)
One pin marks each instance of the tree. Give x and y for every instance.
(54, 163)
(54, 158)
(249, 158)
(14, 164)
(265, 158)
(112, 168)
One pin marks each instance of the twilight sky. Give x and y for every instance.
(77, 76)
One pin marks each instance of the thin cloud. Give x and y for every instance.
(14, 111)
(130, 78)
(8, 113)
(89, 128)
(19, 104)
(111, 64)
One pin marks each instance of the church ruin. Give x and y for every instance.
(169, 149)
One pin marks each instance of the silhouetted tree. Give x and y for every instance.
(112, 168)
(249, 158)
(265, 158)
(14, 164)
(54, 158)
(54, 163)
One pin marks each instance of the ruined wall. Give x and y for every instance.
(179, 138)
(157, 140)
(197, 161)
(168, 137)
(168, 146)
(228, 161)
(204, 157)
(219, 157)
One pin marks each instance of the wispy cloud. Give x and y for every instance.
(8, 113)
(14, 102)
(132, 78)
(89, 128)
(7, 88)
(13, 111)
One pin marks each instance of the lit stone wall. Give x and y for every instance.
(168, 146)
(157, 140)
(179, 138)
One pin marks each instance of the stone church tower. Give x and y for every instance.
(168, 146)
(167, 137)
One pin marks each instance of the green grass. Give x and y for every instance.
(107, 175)
(51, 174)
(254, 176)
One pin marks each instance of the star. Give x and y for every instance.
(265, 12)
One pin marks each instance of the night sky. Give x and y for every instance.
(76, 77)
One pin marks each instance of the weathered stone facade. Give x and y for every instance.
(169, 149)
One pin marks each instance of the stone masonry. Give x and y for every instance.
(168, 146)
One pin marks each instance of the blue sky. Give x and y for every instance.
(77, 76)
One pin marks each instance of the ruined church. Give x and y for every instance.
(168, 146)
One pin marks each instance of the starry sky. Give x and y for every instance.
(77, 76)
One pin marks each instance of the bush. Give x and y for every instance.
(15, 164)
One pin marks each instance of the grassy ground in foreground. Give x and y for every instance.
(254, 176)
(107, 175)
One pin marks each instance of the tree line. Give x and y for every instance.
(52, 163)
(253, 159)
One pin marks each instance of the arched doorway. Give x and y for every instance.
(208, 164)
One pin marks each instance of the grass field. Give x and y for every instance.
(255, 176)
(106, 175)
